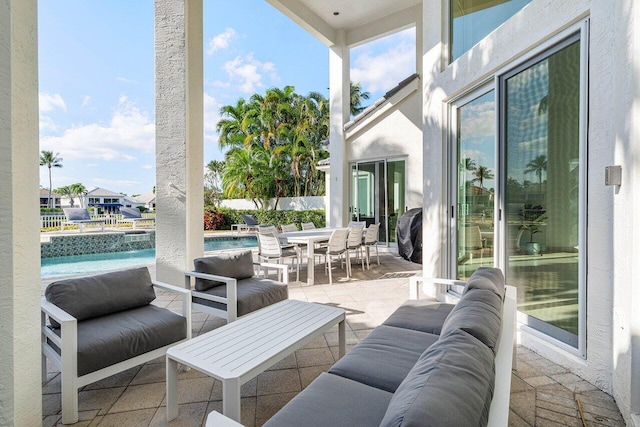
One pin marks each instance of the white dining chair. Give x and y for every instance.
(270, 249)
(354, 243)
(371, 239)
(308, 225)
(337, 247)
(288, 228)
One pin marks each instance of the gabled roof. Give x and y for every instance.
(102, 192)
(146, 198)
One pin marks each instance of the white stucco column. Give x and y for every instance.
(20, 360)
(339, 94)
(179, 137)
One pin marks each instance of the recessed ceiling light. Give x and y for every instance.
(336, 13)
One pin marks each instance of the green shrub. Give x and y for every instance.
(271, 217)
(51, 211)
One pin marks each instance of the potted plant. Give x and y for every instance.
(533, 218)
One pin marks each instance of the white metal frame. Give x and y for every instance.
(67, 342)
(231, 301)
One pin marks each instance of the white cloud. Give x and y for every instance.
(248, 73)
(129, 131)
(124, 80)
(114, 183)
(51, 101)
(85, 101)
(382, 64)
(147, 167)
(221, 41)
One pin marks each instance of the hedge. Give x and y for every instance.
(223, 218)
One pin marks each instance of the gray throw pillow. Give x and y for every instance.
(451, 384)
(89, 297)
(237, 265)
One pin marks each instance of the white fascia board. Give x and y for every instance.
(303, 16)
(382, 27)
(384, 107)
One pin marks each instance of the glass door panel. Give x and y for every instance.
(474, 184)
(542, 201)
(395, 195)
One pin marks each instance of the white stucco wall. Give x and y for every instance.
(20, 360)
(396, 134)
(284, 204)
(612, 297)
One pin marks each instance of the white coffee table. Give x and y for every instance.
(239, 351)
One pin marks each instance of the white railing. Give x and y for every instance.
(48, 221)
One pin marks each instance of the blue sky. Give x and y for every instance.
(96, 65)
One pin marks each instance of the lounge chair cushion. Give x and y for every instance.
(479, 312)
(331, 400)
(385, 358)
(253, 294)
(487, 278)
(237, 265)
(131, 213)
(420, 315)
(114, 338)
(450, 385)
(76, 214)
(249, 220)
(89, 297)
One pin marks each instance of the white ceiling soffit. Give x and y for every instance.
(362, 20)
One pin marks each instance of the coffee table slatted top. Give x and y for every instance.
(234, 351)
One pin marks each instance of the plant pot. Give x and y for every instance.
(531, 248)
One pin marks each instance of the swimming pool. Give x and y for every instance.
(94, 263)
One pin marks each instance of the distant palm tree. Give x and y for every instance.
(469, 164)
(65, 191)
(79, 190)
(48, 159)
(356, 98)
(481, 173)
(537, 165)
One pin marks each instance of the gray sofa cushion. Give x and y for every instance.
(422, 315)
(253, 294)
(331, 400)
(77, 214)
(237, 265)
(479, 312)
(114, 338)
(89, 297)
(488, 278)
(385, 357)
(450, 385)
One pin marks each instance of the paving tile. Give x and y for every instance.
(193, 390)
(599, 411)
(320, 342)
(288, 362)
(247, 414)
(518, 385)
(524, 405)
(559, 408)
(314, 357)
(524, 370)
(100, 399)
(121, 379)
(150, 373)
(566, 378)
(268, 405)
(516, 421)
(539, 381)
(596, 420)
(50, 420)
(138, 418)
(282, 381)
(140, 397)
(599, 398)
(544, 417)
(190, 414)
(555, 398)
(51, 404)
(307, 375)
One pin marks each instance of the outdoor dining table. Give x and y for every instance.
(309, 238)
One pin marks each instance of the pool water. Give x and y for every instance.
(94, 263)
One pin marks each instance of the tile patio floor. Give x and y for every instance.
(542, 393)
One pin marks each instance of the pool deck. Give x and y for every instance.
(542, 393)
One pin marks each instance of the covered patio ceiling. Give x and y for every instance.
(361, 20)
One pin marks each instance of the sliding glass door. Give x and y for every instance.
(543, 199)
(378, 195)
(526, 213)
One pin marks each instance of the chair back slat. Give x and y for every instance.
(267, 229)
(269, 245)
(288, 228)
(355, 237)
(371, 235)
(308, 225)
(338, 241)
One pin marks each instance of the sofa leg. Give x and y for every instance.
(69, 399)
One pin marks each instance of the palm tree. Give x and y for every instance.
(65, 191)
(537, 165)
(356, 98)
(469, 164)
(48, 159)
(481, 173)
(213, 181)
(79, 190)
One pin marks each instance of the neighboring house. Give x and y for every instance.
(44, 199)
(148, 200)
(106, 201)
(513, 121)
